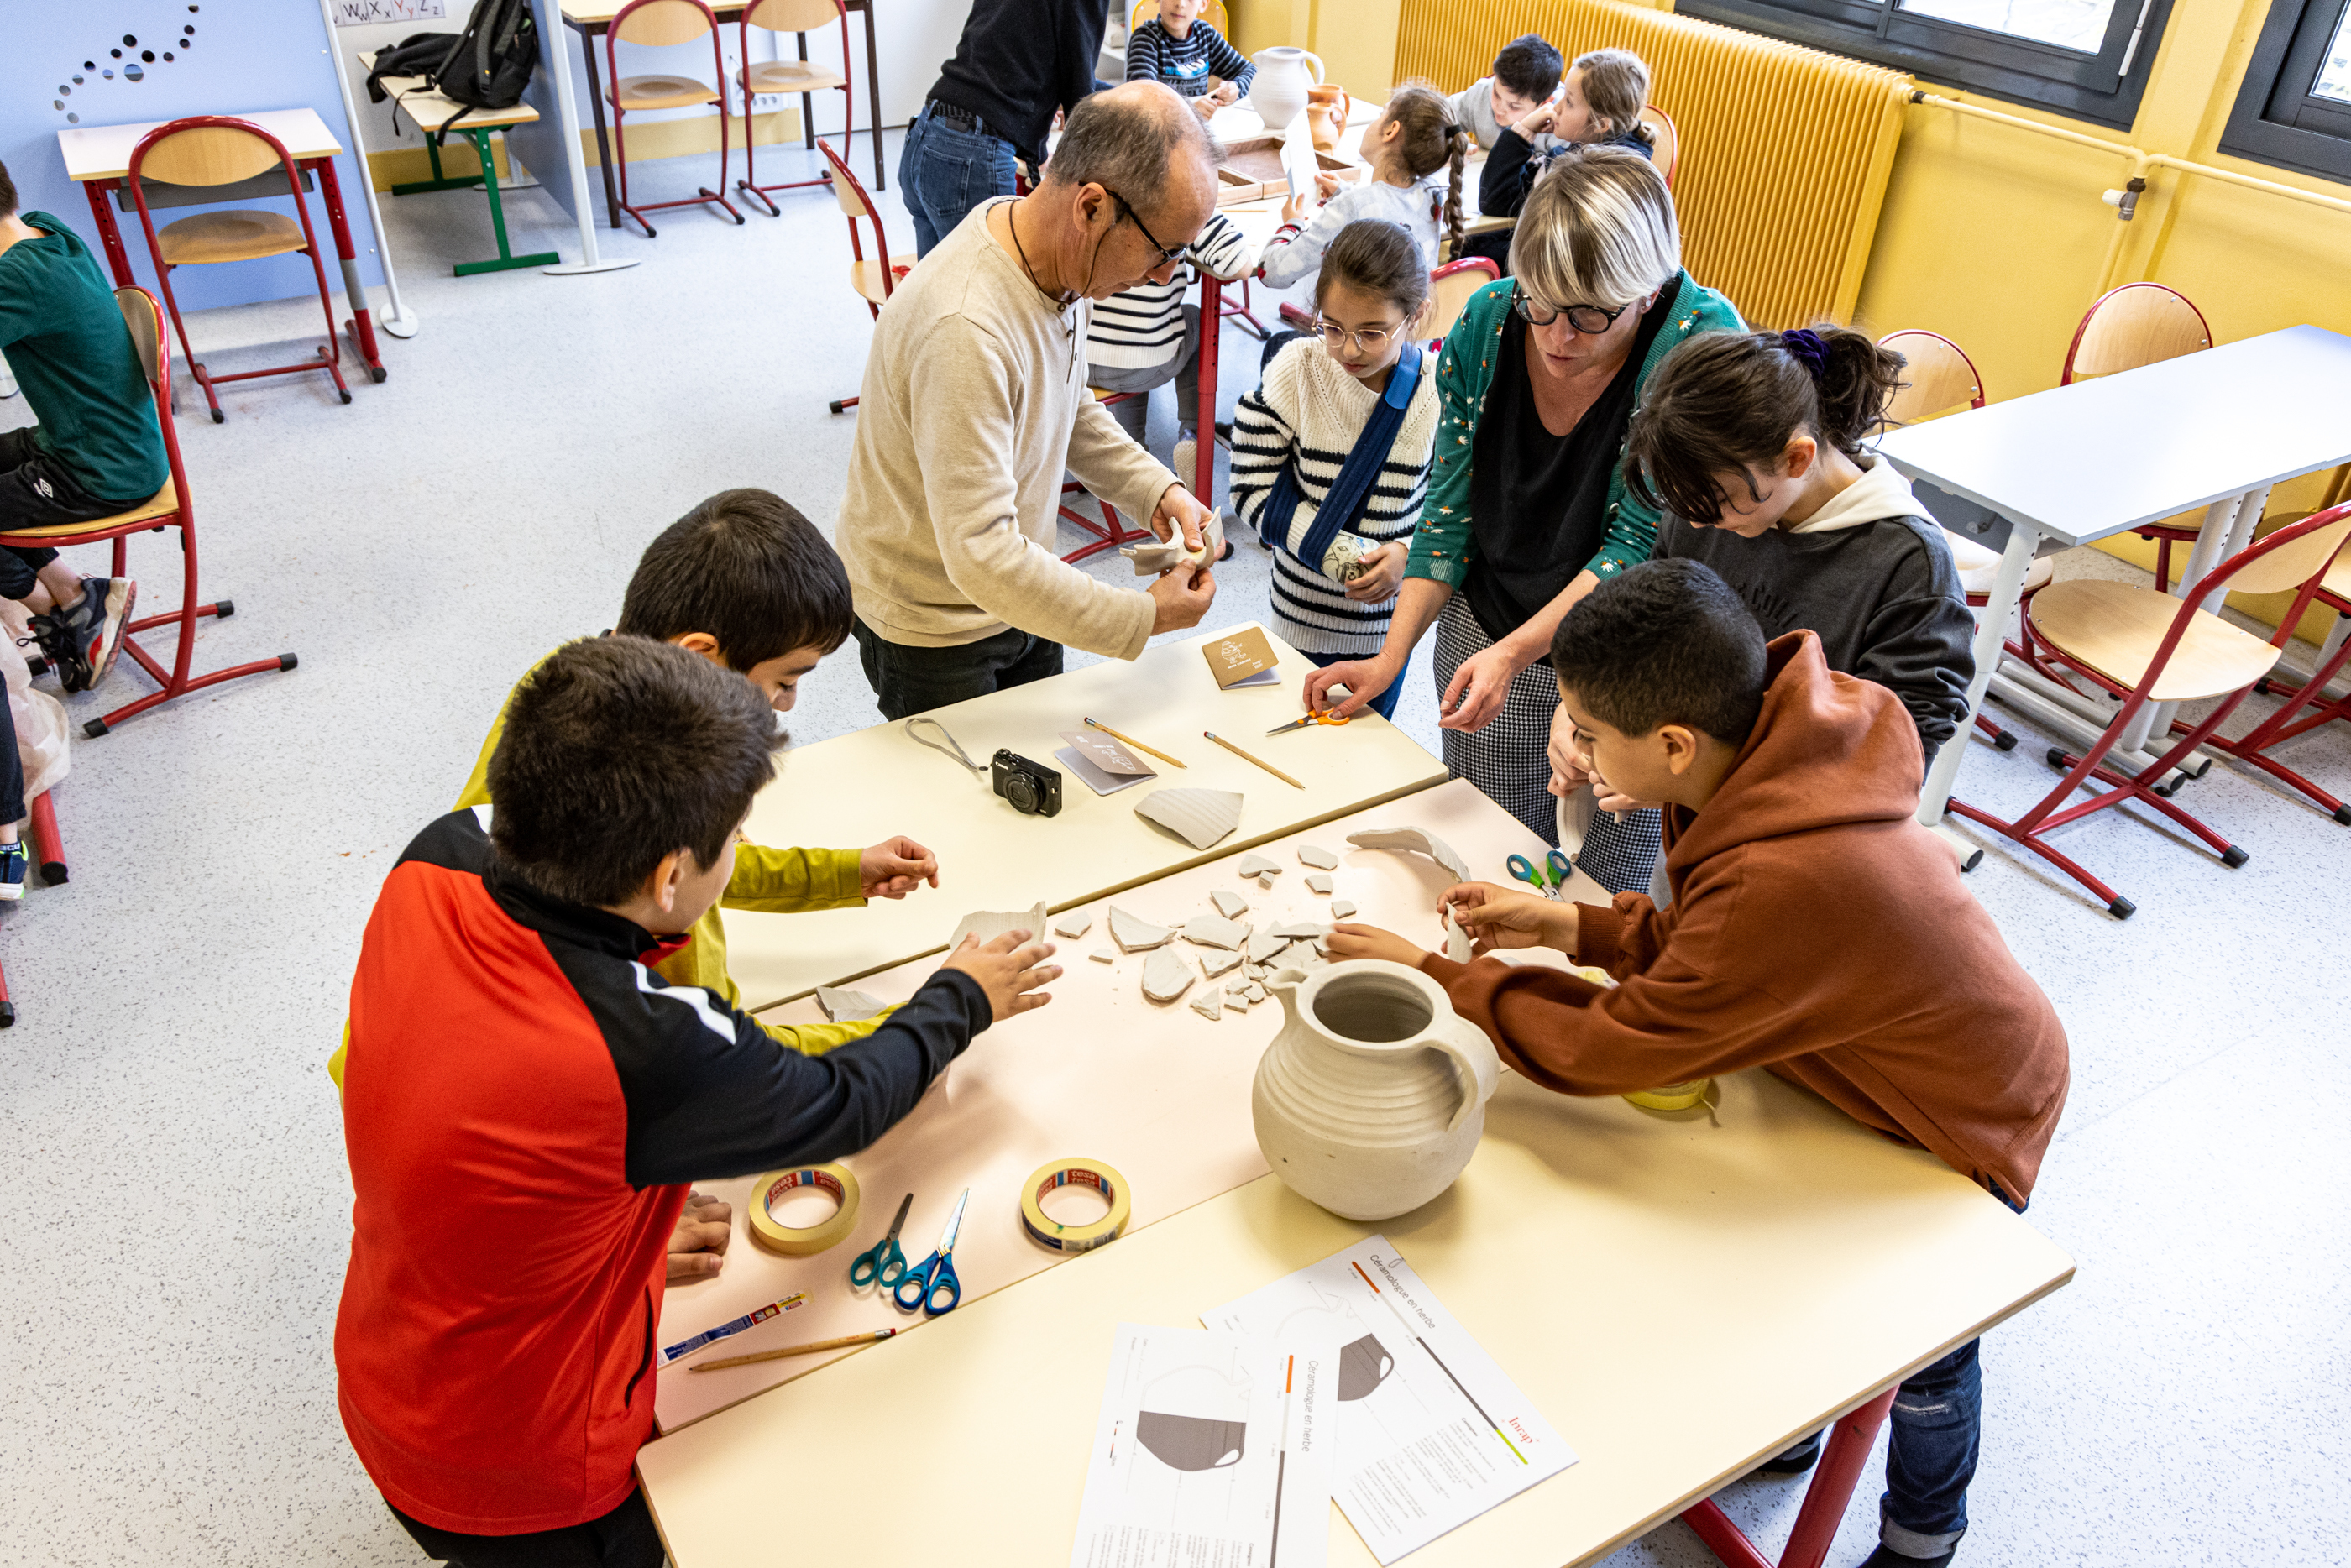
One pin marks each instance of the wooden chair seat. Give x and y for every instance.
(792, 76)
(662, 91)
(164, 503)
(865, 276)
(2115, 628)
(1978, 567)
(241, 235)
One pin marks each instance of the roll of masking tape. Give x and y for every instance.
(1673, 1096)
(801, 1243)
(1048, 1231)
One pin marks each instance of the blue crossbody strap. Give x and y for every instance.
(1351, 490)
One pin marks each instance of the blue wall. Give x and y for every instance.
(245, 56)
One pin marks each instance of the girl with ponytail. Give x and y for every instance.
(1415, 136)
(1751, 443)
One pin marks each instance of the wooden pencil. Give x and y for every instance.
(845, 1341)
(1247, 758)
(1130, 741)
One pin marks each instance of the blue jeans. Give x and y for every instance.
(1383, 705)
(944, 171)
(1930, 1455)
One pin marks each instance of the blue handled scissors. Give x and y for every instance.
(885, 1261)
(1556, 864)
(922, 1285)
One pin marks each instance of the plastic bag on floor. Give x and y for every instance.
(41, 725)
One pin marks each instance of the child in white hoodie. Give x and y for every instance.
(1751, 443)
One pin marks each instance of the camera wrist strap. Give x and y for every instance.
(953, 748)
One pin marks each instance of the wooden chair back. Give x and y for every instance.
(1666, 154)
(144, 318)
(2287, 567)
(796, 16)
(855, 204)
(659, 23)
(209, 151)
(1449, 288)
(1148, 11)
(1939, 378)
(2138, 324)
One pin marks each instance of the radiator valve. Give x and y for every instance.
(2126, 201)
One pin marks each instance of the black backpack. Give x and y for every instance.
(493, 59)
(418, 54)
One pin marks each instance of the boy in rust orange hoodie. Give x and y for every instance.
(1816, 931)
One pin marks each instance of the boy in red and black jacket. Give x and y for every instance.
(524, 1101)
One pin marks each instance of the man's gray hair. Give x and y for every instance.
(1127, 140)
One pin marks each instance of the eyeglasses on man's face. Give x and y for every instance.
(1168, 254)
(1588, 320)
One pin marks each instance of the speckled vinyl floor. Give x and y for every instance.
(177, 1216)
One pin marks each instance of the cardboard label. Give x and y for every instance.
(1106, 753)
(1238, 655)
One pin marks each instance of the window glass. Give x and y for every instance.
(2334, 72)
(2068, 24)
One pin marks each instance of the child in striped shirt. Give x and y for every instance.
(1179, 50)
(1291, 440)
(1148, 337)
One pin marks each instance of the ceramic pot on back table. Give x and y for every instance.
(1277, 92)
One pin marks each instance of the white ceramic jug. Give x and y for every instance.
(1277, 92)
(1373, 1096)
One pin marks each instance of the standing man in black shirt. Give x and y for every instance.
(1019, 63)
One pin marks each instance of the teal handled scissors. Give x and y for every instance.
(922, 1285)
(1320, 716)
(1556, 864)
(886, 1261)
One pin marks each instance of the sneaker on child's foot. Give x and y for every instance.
(13, 862)
(1886, 1557)
(1186, 457)
(82, 643)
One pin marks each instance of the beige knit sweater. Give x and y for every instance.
(974, 401)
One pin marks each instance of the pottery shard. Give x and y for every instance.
(1258, 866)
(1217, 964)
(1232, 906)
(1199, 817)
(989, 924)
(1165, 976)
(1236, 1003)
(1299, 931)
(1413, 838)
(1155, 557)
(1074, 924)
(1133, 935)
(1265, 946)
(1215, 932)
(1314, 855)
(848, 1006)
(1209, 1002)
(1341, 908)
(1457, 942)
(1317, 882)
(1254, 992)
(1265, 880)
(1256, 971)
(1102, 955)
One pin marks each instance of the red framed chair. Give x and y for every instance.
(1111, 532)
(216, 149)
(783, 77)
(170, 507)
(1449, 288)
(2140, 324)
(872, 277)
(664, 23)
(1666, 151)
(2307, 706)
(2144, 646)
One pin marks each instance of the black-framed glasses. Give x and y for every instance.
(1589, 320)
(1370, 340)
(1167, 254)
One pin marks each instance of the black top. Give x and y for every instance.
(1539, 502)
(1883, 597)
(1019, 62)
(1515, 164)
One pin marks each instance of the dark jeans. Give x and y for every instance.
(624, 1538)
(945, 170)
(909, 681)
(1930, 1455)
(36, 492)
(1384, 704)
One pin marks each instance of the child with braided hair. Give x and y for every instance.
(1416, 136)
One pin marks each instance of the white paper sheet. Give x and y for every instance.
(1212, 1451)
(1431, 1432)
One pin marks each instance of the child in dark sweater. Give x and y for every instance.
(1599, 104)
(1184, 54)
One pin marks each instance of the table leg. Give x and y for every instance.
(596, 107)
(872, 98)
(1999, 608)
(506, 258)
(102, 207)
(1212, 322)
(2228, 529)
(1846, 1450)
(362, 323)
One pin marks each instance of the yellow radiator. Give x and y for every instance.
(1784, 151)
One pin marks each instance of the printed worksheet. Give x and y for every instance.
(1212, 1451)
(1431, 1432)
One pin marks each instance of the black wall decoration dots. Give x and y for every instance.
(136, 60)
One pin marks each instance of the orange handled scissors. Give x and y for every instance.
(1321, 716)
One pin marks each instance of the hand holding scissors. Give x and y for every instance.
(1549, 881)
(884, 1263)
(922, 1285)
(1320, 716)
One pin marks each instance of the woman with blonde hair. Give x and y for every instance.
(1526, 507)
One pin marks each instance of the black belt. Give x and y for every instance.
(954, 114)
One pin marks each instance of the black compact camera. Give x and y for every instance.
(1034, 789)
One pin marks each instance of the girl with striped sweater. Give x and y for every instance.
(1295, 440)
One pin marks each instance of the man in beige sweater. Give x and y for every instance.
(974, 402)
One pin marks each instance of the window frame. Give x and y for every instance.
(2104, 88)
(2307, 134)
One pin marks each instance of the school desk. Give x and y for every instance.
(98, 158)
(863, 788)
(432, 111)
(591, 19)
(1682, 1295)
(2073, 464)
(1158, 1090)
